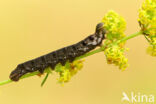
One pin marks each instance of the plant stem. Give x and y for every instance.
(44, 80)
(129, 37)
(78, 58)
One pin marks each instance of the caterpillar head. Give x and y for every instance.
(100, 29)
(17, 73)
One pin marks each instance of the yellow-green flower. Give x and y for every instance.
(115, 26)
(115, 55)
(76, 66)
(69, 70)
(151, 50)
(147, 17)
(147, 20)
(64, 75)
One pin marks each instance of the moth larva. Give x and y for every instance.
(62, 55)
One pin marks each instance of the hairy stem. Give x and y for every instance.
(78, 58)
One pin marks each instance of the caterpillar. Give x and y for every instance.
(62, 55)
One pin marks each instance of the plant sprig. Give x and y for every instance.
(113, 46)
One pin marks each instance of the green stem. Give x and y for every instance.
(78, 58)
(44, 80)
(129, 37)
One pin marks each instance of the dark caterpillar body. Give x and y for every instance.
(62, 55)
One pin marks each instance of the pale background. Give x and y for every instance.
(30, 28)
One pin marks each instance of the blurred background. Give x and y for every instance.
(31, 28)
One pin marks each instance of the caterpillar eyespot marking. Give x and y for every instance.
(62, 55)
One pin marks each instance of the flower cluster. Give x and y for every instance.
(67, 71)
(147, 20)
(115, 55)
(151, 50)
(115, 26)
